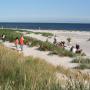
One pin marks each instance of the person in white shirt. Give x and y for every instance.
(73, 49)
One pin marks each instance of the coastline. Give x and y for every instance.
(47, 30)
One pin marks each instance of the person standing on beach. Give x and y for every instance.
(55, 40)
(21, 42)
(16, 43)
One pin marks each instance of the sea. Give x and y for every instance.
(47, 26)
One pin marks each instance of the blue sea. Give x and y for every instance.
(48, 26)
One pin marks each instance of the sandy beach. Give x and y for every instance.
(77, 37)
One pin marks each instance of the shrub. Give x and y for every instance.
(10, 34)
(84, 62)
(46, 46)
(46, 34)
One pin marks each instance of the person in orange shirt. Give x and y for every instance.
(16, 42)
(21, 42)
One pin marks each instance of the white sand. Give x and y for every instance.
(76, 36)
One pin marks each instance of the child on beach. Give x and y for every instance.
(16, 42)
(21, 42)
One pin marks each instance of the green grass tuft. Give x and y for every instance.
(84, 63)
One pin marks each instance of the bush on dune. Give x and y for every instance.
(46, 46)
(63, 52)
(46, 34)
(84, 63)
(10, 34)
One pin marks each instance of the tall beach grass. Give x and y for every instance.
(27, 73)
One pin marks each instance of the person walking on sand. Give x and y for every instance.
(21, 42)
(16, 43)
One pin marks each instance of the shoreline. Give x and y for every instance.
(47, 30)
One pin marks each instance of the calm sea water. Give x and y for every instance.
(48, 26)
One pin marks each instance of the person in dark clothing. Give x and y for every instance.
(77, 46)
(78, 50)
(55, 40)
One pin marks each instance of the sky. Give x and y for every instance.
(45, 11)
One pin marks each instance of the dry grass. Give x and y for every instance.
(27, 73)
(74, 74)
(24, 73)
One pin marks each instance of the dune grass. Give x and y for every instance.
(84, 63)
(46, 34)
(75, 74)
(27, 73)
(10, 34)
(45, 46)
(24, 73)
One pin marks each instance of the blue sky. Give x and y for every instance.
(45, 11)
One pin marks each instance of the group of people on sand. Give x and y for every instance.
(74, 49)
(19, 42)
(59, 44)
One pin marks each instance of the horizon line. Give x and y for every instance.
(45, 22)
